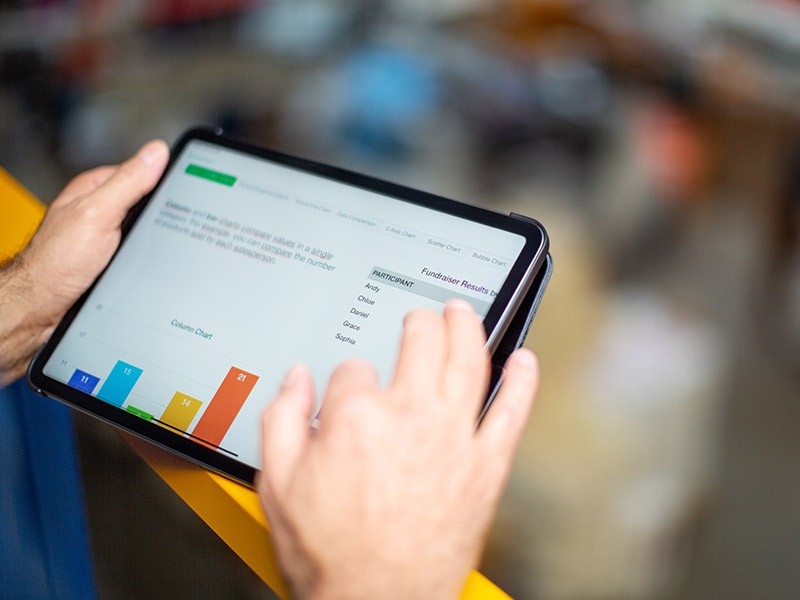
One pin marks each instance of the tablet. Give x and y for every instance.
(243, 262)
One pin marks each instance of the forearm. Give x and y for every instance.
(22, 328)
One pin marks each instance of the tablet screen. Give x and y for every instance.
(240, 267)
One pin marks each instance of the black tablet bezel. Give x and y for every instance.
(517, 283)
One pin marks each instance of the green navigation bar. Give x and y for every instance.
(139, 413)
(214, 176)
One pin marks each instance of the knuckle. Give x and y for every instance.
(87, 211)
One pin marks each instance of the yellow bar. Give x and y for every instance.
(180, 411)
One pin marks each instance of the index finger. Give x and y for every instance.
(420, 363)
(467, 371)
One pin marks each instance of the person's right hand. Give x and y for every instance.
(392, 497)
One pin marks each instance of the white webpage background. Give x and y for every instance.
(264, 317)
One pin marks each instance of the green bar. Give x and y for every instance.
(139, 413)
(214, 176)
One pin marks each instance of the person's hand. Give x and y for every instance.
(75, 241)
(393, 496)
(81, 230)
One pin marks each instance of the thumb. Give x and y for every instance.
(505, 421)
(285, 428)
(131, 181)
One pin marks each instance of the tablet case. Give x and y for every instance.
(517, 330)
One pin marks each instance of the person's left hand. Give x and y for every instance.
(74, 243)
(81, 230)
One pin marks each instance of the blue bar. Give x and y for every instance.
(83, 381)
(119, 384)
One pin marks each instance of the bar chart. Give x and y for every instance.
(119, 383)
(83, 381)
(224, 406)
(180, 412)
(181, 409)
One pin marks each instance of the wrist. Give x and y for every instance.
(369, 583)
(24, 326)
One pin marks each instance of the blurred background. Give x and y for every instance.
(659, 143)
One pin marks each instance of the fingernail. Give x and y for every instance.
(460, 304)
(292, 377)
(149, 153)
(525, 358)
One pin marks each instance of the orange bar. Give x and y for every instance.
(224, 406)
(180, 411)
